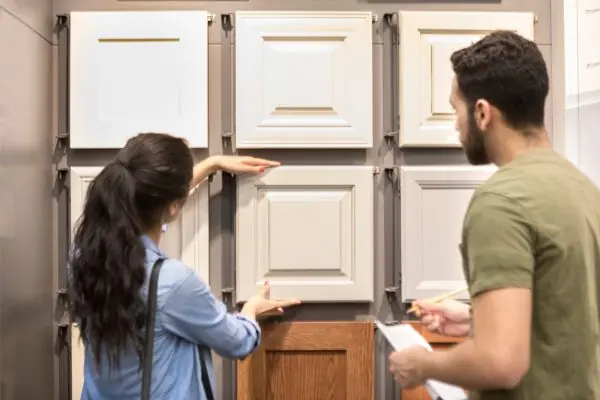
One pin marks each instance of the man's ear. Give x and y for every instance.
(483, 114)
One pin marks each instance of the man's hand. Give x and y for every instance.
(448, 318)
(406, 365)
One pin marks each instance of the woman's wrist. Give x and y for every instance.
(204, 169)
(249, 310)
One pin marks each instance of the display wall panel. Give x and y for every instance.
(304, 79)
(308, 230)
(434, 200)
(427, 40)
(138, 71)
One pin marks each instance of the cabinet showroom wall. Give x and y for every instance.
(373, 184)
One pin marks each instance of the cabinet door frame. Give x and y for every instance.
(183, 33)
(343, 121)
(252, 255)
(414, 181)
(418, 128)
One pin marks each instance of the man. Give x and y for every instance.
(530, 245)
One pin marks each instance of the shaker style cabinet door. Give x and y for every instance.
(304, 79)
(308, 230)
(427, 39)
(133, 72)
(310, 361)
(186, 238)
(433, 205)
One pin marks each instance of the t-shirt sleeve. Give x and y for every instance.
(499, 243)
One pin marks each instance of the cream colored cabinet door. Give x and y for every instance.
(427, 39)
(77, 363)
(308, 230)
(133, 72)
(433, 205)
(304, 79)
(186, 239)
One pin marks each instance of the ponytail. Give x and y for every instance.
(108, 267)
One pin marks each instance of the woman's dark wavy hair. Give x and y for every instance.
(129, 197)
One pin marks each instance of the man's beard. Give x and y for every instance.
(474, 144)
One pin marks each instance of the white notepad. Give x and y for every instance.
(402, 336)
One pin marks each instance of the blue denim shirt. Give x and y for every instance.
(187, 315)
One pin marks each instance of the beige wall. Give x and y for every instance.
(26, 253)
(222, 257)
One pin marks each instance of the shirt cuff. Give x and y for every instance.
(255, 325)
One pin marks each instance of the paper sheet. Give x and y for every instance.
(402, 336)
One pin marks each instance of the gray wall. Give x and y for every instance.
(221, 120)
(26, 224)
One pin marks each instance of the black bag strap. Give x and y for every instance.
(204, 374)
(151, 317)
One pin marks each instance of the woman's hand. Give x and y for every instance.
(262, 306)
(243, 164)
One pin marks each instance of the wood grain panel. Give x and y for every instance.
(310, 361)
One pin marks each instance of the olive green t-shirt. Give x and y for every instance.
(536, 224)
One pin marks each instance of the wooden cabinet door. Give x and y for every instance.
(438, 342)
(310, 361)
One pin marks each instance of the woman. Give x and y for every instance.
(115, 247)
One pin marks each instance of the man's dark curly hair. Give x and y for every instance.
(509, 72)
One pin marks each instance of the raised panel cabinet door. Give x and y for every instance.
(304, 79)
(433, 204)
(186, 239)
(427, 39)
(310, 361)
(308, 230)
(138, 71)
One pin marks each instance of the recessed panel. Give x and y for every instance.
(427, 40)
(186, 239)
(304, 80)
(308, 231)
(434, 201)
(133, 72)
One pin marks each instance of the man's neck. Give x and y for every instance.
(513, 144)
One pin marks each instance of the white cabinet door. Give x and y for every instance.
(308, 231)
(588, 19)
(304, 79)
(433, 205)
(133, 72)
(186, 239)
(427, 39)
